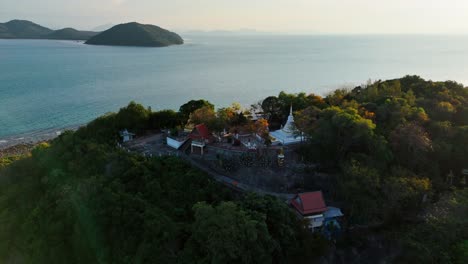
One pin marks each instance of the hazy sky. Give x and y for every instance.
(296, 16)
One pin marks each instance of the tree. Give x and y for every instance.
(306, 119)
(228, 234)
(190, 107)
(232, 116)
(292, 241)
(404, 193)
(165, 119)
(360, 185)
(411, 145)
(133, 117)
(272, 109)
(205, 115)
(339, 132)
(261, 127)
(443, 111)
(337, 97)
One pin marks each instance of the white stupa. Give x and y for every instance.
(288, 134)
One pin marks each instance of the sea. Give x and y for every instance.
(47, 86)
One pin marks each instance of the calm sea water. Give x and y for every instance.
(46, 85)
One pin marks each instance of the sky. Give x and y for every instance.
(281, 16)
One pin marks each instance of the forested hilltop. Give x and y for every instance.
(394, 150)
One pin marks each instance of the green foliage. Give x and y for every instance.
(186, 109)
(292, 241)
(81, 200)
(135, 34)
(340, 132)
(442, 238)
(361, 185)
(272, 108)
(133, 116)
(276, 109)
(461, 252)
(8, 160)
(404, 192)
(165, 119)
(228, 234)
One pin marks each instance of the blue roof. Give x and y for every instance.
(332, 212)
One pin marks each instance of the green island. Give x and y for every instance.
(23, 29)
(135, 34)
(391, 154)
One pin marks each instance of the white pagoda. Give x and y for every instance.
(288, 134)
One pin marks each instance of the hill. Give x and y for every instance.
(135, 34)
(104, 27)
(23, 29)
(385, 148)
(71, 34)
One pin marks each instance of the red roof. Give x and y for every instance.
(200, 131)
(309, 203)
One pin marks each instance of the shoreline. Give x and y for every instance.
(18, 150)
(33, 138)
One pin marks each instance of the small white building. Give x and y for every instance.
(126, 136)
(175, 142)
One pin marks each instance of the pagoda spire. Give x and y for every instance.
(289, 127)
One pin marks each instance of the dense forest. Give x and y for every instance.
(396, 149)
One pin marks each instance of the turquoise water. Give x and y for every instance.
(47, 85)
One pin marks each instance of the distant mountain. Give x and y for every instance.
(135, 34)
(23, 29)
(71, 34)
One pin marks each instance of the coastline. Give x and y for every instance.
(33, 138)
(17, 150)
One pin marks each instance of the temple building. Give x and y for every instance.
(200, 137)
(311, 206)
(288, 134)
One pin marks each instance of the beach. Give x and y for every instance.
(23, 143)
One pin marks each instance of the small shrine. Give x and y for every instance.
(281, 158)
(126, 136)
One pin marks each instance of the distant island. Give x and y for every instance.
(71, 34)
(23, 29)
(129, 34)
(135, 34)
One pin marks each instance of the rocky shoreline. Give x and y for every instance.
(18, 150)
(18, 142)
